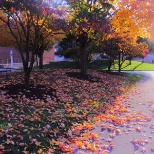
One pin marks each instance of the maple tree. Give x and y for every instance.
(125, 32)
(87, 21)
(47, 29)
(30, 24)
(142, 13)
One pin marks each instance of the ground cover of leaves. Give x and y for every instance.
(58, 111)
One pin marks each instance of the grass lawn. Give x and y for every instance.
(102, 65)
(95, 65)
(52, 115)
(135, 66)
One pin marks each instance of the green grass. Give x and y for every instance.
(135, 66)
(101, 65)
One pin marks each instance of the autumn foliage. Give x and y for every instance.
(52, 115)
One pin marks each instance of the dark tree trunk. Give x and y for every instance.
(28, 66)
(83, 61)
(36, 60)
(41, 60)
(109, 66)
(119, 62)
(26, 77)
(27, 71)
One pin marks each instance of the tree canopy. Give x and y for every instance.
(32, 25)
(37, 25)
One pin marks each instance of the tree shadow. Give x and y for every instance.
(134, 67)
(117, 73)
(33, 92)
(87, 77)
(137, 66)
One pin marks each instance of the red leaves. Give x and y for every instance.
(12, 10)
(94, 136)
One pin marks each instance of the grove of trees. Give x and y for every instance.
(89, 26)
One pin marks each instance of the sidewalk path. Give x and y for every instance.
(136, 134)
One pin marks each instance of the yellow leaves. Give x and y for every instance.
(124, 25)
(8, 141)
(123, 109)
(32, 128)
(122, 89)
(129, 118)
(140, 13)
(95, 104)
(40, 151)
(25, 152)
(118, 131)
(67, 105)
(93, 147)
(53, 142)
(21, 144)
(37, 143)
(79, 144)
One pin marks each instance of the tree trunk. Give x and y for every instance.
(83, 62)
(109, 66)
(119, 64)
(41, 60)
(26, 77)
(36, 60)
(27, 71)
(28, 66)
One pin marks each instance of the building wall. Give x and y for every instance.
(5, 55)
(5, 59)
(48, 56)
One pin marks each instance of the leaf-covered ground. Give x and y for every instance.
(56, 113)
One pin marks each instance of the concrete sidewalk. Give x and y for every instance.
(137, 135)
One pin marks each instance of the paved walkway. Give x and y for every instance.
(136, 136)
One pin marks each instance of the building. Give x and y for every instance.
(5, 57)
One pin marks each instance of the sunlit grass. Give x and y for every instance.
(135, 66)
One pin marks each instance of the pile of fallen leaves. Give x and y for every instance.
(57, 108)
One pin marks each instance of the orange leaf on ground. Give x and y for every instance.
(94, 136)
(79, 144)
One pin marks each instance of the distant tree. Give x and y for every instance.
(111, 49)
(127, 31)
(69, 47)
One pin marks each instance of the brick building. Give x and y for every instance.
(5, 58)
